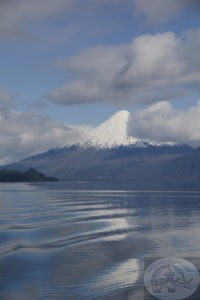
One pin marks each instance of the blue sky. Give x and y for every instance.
(39, 38)
(79, 61)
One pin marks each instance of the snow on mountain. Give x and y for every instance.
(114, 133)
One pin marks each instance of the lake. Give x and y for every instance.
(88, 240)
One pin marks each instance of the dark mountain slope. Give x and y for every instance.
(117, 163)
(187, 166)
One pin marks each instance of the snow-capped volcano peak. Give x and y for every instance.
(112, 132)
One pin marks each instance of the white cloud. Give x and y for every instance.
(93, 70)
(162, 123)
(151, 68)
(23, 134)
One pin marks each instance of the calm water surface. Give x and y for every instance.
(84, 241)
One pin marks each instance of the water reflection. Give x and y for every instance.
(58, 242)
(123, 275)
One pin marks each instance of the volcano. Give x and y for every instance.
(111, 153)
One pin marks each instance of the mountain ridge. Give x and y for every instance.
(113, 133)
(115, 157)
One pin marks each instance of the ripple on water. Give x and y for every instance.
(58, 243)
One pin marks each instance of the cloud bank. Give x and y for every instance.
(156, 67)
(162, 123)
(23, 134)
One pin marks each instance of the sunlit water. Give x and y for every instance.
(81, 241)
